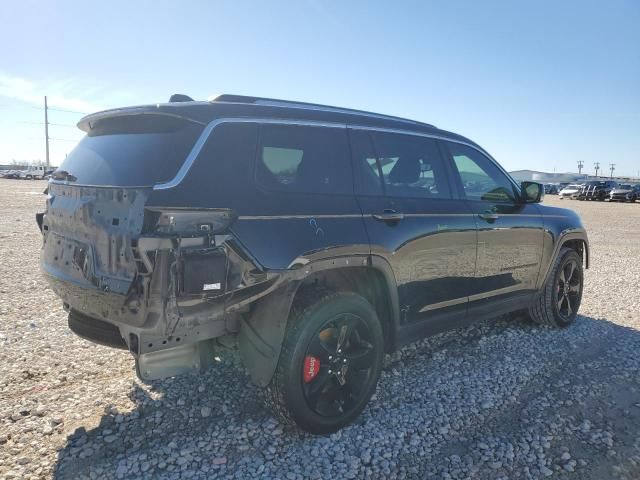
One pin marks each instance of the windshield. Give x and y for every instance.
(136, 150)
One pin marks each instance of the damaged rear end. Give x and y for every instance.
(160, 281)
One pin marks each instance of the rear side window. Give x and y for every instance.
(402, 165)
(304, 159)
(136, 150)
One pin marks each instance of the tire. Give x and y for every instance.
(339, 389)
(551, 309)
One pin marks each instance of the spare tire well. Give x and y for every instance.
(365, 281)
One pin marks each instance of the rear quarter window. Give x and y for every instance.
(303, 159)
(136, 150)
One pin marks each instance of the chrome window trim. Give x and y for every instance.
(195, 151)
(186, 166)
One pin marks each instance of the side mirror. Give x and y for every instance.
(532, 192)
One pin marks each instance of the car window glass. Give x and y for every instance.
(411, 166)
(133, 150)
(366, 163)
(481, 178)
(304, 159)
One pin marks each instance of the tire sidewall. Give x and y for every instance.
(313, 321)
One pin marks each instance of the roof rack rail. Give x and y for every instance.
(273, 102)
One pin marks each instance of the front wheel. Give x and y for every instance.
(330, 363)
(558, 303)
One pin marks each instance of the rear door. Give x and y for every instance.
(415, 222)
(510, 233)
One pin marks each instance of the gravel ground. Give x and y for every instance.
(500, 399)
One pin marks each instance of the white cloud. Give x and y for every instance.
(60, 94)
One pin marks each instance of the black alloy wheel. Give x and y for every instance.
(330, 362)
(338, 365)
(557, 304)
(569, 289)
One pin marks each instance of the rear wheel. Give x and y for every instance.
(330, 363)
(557, 305)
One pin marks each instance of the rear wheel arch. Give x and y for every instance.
(262, 330)
(374, 282)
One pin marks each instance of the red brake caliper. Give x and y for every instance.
(311, 368)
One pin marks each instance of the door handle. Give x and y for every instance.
(388, 215)
(489, 217)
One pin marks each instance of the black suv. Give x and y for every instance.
(319, 237)
(597, 190)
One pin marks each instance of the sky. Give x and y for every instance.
(539, 84)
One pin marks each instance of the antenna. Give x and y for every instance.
(612, 167)
(597, 167)
(580, 165)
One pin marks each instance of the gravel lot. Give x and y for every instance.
(501, 399)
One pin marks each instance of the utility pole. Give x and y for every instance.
(597, 167)
(46, 129)
(613, 167)
(580, 165)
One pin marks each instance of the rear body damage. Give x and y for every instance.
(169, 280)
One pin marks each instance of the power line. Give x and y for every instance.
(63, 110)
(50, 123)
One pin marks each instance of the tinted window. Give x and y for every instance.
(481, 178)
(410, 166)
(132, 151)
(304, 159)
(369, 175)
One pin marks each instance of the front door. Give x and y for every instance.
(510, 232)
(415, 222)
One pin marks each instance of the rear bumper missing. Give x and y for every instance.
(95, 330)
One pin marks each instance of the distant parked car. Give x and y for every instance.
(570, 191)
(12, 174)
(550, 189)
(597, 190)
(625, 193)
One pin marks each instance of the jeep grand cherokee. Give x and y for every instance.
(318, 237)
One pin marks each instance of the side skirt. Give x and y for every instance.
(475, 312)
